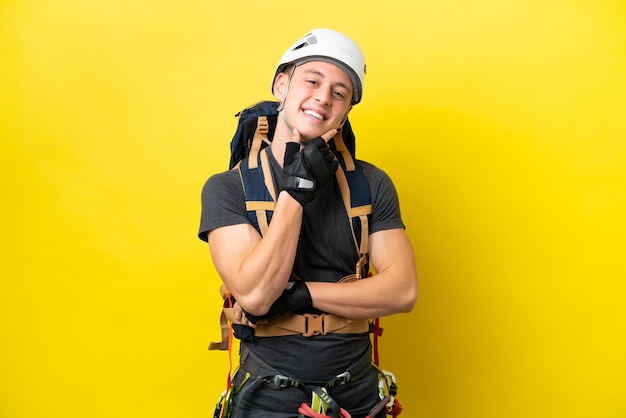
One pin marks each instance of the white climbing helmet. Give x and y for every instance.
(330, 46)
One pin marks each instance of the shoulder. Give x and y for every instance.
(224, 191)
(375, 176)
(223, 202)
(385, 203)
(370, 169)
(223, 182)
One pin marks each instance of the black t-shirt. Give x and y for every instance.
(326, 252)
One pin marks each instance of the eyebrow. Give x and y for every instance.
(321, 75)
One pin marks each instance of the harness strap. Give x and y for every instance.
(252, 364)
(264, 191)
(224, 325)
(260, 135)
(223, 344)
(357, 212)
(343, 150)
(308, 325)
(267, 174)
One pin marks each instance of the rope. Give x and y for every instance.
(306, 411)
(230, 344)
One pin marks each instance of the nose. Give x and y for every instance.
(323, 95)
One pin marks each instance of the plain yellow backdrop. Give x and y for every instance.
(501, 123)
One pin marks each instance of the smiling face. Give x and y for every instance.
(318, 98)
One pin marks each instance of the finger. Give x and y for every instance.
(245, 321)
(329, 135)
(237, 312)
(291, 149)
(241, 317)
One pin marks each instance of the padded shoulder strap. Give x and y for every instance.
(357, 201)
(258, 186)
(260, 137)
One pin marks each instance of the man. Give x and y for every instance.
(317, 82)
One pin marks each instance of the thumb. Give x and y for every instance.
(291, 149)
(329, 135)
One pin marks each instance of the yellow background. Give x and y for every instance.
(501, 122)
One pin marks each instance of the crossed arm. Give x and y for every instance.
(256, 269)
(392, 290)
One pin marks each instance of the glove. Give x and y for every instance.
(292, 299)
(307, 170)
(320, 160)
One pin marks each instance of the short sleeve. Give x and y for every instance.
(223, 203)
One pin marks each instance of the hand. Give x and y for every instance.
(243, 329)
(238, 312)
(293, 299)
(307, 170)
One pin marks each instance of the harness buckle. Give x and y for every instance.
(314, 325)
(342, 379)
(282, 381)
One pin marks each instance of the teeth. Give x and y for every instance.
(315, 115)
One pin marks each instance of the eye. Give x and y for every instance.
(339, 94)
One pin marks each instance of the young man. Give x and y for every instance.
(317, 82)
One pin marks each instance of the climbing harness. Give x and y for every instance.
(322, 404)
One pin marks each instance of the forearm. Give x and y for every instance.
(257, 274)
(392, 290)
(375, 296)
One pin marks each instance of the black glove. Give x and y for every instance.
(293, 299)
(320, 160)
(307, 170)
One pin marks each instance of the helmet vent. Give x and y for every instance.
(312, 40)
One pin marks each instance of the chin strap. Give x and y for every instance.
(281, 112)
(281, 106)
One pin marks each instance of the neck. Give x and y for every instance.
(281, 137)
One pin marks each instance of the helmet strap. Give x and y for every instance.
(281, 106)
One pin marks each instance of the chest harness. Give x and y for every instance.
(261, 195)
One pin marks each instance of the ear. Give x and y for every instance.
(280, 84)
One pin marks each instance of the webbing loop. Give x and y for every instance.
(260, 136)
